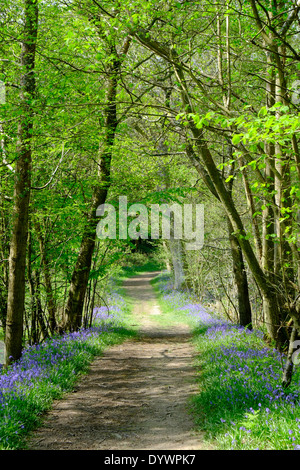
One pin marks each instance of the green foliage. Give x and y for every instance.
(190, 66)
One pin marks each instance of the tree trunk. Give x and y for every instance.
(47, 278)
(33, 332)
(175, 248)
(80, 277)
(225, 198)
(17, 257)
(241, 281)
(4, 251)
(268, 213)
(174, 245)
(289, 364)
(240, 275)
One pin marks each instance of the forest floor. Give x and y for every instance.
(136, 395)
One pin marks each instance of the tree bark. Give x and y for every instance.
(80, 277)
(17, 257)
(240, 276)
(239, 271)
(289, 363)
(47, 278)
(4, 253)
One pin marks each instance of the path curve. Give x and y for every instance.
(135, 396)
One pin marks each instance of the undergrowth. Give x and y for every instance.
(240, 404)
(47, 371)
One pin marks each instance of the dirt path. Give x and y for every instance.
(135, 396)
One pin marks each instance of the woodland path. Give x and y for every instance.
(135, 396)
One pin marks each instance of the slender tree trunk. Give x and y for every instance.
(241, 281)
(254, 219)
(225, 198)
(17, 257)
(174, 245)
(268, 213)
(80, 277)
(47, 278)
(284, 260)
(33, 331)
(4, 250)
(289, 364)
(167, 256)
(43, 330)
(175, 248)
(240, 275)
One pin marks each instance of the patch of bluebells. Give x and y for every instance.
(202, 316)
(250, 365)
(239, 357)
(42, 364)
(249, 382)
(110, 314)
(245, 381)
